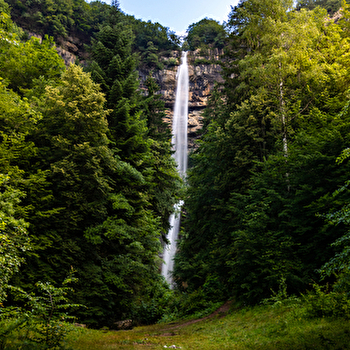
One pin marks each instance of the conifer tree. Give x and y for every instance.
(136, 130)
(114, 67)
(165, 180)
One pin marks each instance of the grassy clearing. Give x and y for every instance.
(262, 327)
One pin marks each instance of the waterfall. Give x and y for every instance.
(179, 141)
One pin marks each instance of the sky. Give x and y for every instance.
(177, 14)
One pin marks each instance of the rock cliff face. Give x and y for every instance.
(71, 49)
(204, 71)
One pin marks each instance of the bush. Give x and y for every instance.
(154, 304)
(281, 297)
(199, 61)
(41, 323)
(321, 302)
(189, 306)
(171, 62)
(148, 312)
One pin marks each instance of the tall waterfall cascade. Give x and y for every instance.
(179, 141)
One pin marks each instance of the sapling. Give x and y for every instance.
(44, 317)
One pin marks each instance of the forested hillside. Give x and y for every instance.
(87, 178)
(268, 191)
(79, 21)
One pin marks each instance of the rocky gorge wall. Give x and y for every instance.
(204, 72)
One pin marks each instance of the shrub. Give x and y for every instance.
(281, 297)
(321, 302)
(42, 322)
(171, 62)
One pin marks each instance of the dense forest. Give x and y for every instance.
(268, 194)
(87, 178)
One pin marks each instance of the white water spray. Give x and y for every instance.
(179, 141)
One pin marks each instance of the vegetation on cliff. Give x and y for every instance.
(331, 6)
(78, 21)
(205, 34)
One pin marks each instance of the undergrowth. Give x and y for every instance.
(263, 327)
(317, 320)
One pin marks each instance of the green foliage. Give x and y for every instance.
(193, 305)
(22, 64)
(74, 150)
(17, 118)
(14, 240)
(265, 167)
(163, 39)
(49, 314)
(80, 19)
(281, 297)
(114, 67)
(331, 6)
(207, 33)
(154, 302)
(196, 304)
(339, 265)
(7, 330)
(43, 318)
(8, 30)
(150, 58)
(45, 17)
(4, 9)
(322, 302)
(172, 61)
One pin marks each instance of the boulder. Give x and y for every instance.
(123, 325)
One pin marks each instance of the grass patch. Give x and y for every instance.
(261, 327)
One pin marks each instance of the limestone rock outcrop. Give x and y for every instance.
(67, 56)
(204, 72)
